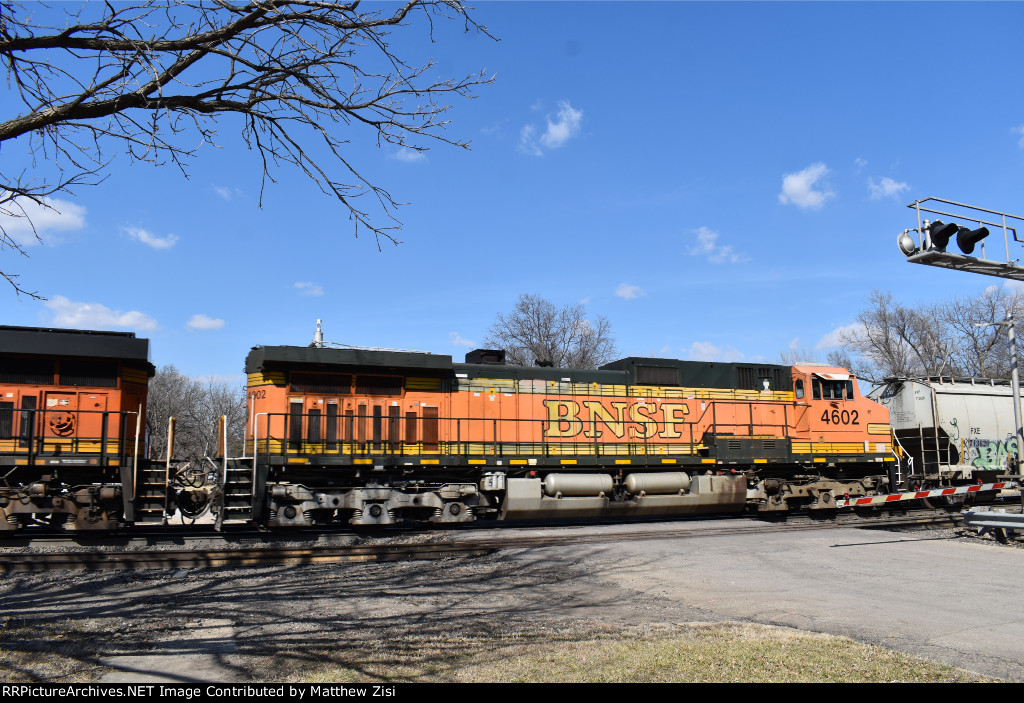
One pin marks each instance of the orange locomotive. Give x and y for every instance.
(72, 418)
(372, 437)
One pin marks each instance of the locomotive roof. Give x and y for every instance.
(541, 373)
(631, 370)
(44, 341)
(265, 358)
(702, 374)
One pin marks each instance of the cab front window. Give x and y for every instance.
(831, 389)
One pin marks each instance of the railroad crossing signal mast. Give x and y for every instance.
(935, 235)
(930, 249)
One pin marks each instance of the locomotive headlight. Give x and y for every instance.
(906, 243)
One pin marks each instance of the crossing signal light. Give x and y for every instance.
(967, 238)
(939, 234)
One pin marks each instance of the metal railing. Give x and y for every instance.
(961, 212)
(367, 434)
(56, 432)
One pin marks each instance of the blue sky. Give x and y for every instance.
(721, 181)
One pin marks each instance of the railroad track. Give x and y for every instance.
(468, 545)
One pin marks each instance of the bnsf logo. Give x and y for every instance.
(570, 418)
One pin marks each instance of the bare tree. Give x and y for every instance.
(893, 339)
(536, 332)
(982, 350)
(794, 357)
(196, 406)
(156, 79)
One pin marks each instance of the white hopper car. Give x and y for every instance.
(950, 429)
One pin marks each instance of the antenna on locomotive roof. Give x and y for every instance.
(319, 343)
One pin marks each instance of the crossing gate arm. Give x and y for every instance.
(917, 495)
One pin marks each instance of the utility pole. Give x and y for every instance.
(1018, 431)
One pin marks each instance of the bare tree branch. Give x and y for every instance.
(196, 405)
(536, 332)
(942, 338)
(156, 78)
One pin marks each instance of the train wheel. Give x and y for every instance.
(952, 504)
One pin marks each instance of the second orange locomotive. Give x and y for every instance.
(372, 437)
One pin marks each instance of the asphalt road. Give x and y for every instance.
(945, 600)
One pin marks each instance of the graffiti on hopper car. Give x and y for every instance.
(994, 455)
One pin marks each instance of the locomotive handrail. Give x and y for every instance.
(386, 434)
(33, 442)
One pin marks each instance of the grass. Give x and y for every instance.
(56, 652)
(684, 653)
(725, 652)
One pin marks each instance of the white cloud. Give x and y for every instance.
(202, 322)
(885, 188)
(20, 215)
(495, 129)
(707, 245)
(227, 193)
(307, 288)
(860, 163)
(68, 313)
(566, 126)
(629, 291)
(1020, 131)
(528, 141)
(795, 344)
(152, 240)
(798, 188)
(410, 155)
(458, 341)
(706, 351)
(834, 338)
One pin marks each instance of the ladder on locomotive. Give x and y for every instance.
(238, 492)
(150, 500)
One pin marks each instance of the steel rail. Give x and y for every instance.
(290, 556)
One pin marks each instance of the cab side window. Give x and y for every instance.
(799, 388)
(816, 389)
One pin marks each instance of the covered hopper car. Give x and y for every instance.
(951, 429)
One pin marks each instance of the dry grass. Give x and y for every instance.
(684, 653)
(57, 652)
(670, 653)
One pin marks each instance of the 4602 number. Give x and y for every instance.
(846, 417)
